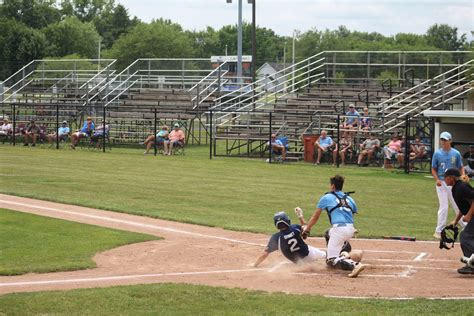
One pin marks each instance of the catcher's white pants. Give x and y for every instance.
(445, 197)
(337, 236)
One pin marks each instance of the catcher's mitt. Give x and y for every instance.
(449, 234)
(304, 234)
(464, 178)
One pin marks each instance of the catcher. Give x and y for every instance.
(463, 195)
(340, 208)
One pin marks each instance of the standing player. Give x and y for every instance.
(463, 196)
(443, 159)
(288, 240)
(340, 208)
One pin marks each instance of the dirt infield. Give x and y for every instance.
(213, 256)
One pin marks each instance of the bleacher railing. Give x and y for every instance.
(429, 94)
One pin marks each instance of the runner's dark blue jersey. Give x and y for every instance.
(289, 242)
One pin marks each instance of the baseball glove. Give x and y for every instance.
(464, 178)
(449, 234)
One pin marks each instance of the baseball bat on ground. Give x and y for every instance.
(404, 238)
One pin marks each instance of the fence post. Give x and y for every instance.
(14, 124)
(407, 145)
(104, 130)
(270, 140)
(155, 149)
(211, 134)
(338, 139)
(57, 124)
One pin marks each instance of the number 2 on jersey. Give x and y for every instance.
(293, 243)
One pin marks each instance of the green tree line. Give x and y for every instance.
(35, 29)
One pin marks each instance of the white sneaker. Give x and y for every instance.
(358, 269)
(437, 235)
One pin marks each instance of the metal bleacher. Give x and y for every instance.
(314, 95)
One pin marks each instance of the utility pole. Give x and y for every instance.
(254, 39)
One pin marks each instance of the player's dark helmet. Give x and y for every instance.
(280, 219)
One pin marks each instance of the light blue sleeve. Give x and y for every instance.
(353, 204)
(434, 162)
(331, 142)
(324, 202)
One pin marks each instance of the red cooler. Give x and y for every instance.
(308, 142)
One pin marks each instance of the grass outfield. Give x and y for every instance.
(238, 194)
(183, 299)
(31, 243)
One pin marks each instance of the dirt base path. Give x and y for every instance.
(213, 256)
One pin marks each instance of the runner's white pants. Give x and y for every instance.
(445, 197)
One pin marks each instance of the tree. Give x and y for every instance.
(86, 10)
(36, 14)
(71, 36)
(112, 24)
(19, 45)
(445, 37)
(159, 39)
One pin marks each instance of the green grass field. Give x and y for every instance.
(31, 243)
(185, 299)
(238, 194)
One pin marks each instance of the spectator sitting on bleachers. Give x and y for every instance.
(278, 147)
(346, 147)
(86, 131)
(99, 133)
(6, 129)
(175, 138)
(31, 134)
(469, 156)
(161, 136)
(393, 150)
(366, 121)
(352, 120)
(63, 133)
(417, 149)
(322, 145)
(368, 148)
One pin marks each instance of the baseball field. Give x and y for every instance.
(83, 232)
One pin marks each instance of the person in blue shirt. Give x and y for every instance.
(290, 242)
(86, 131)
(323, 144)
(444, 158)
(63, 133)
(341, 209)
(161, 136)
(351, 122)
(278, 147)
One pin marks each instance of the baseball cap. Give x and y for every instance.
(351, 105)
(176, 125)
(445, 136)
(64, 122)
(452, 172)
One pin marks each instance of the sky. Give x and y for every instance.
(388, 17)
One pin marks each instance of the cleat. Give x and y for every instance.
(437, 235)
(466, 270)
(357, 269)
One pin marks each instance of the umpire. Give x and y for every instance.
(463, 195)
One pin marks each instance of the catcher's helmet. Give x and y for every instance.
(281, 218)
